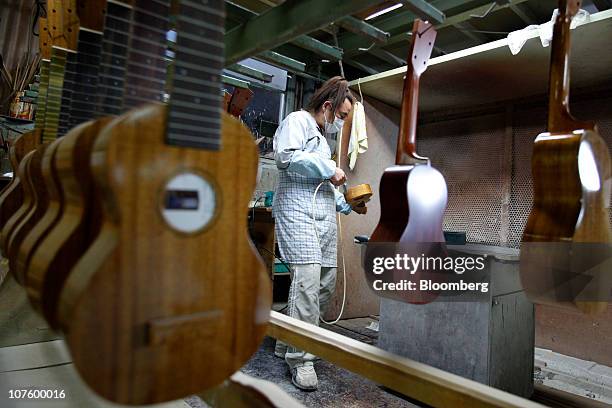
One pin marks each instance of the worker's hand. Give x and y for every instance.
(360, 209)
(339, 178)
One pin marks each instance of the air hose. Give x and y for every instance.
(314, 221)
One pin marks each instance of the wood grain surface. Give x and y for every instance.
(358, 194)
(65, 241)
(39, 200)
(50, 216)
(22, 210)
(145, 300)
(569, 209)
(11, 196)
(413, 194)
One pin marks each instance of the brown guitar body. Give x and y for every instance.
(11, 196)
(393, 205)
(66, 241)
(412, 193)
(567, 242)
(26, 204)
(146, 300)
(48, 219)
(569, 211)
(412, 203)
(39, 200)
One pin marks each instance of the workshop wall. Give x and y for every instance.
(486, 161)
(16, 36)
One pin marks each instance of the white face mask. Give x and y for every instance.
(333, 127)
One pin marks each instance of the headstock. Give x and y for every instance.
(239, 101)
(63, 23)
(423, 38)
(569, 7)
(44, 39)
(91, 13)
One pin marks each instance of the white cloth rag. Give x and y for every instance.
(517, 39)
(358, 142)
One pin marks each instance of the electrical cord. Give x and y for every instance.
(314, 222)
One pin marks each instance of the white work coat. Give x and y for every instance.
(303, 159)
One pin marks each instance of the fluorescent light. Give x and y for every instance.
(384, 11)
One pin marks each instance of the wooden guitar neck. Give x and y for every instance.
(424, 35)
(559, 116)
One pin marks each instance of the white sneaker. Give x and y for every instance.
(304, 377)
(280, 349)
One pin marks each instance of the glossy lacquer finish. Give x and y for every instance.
(412, 193)
(567, 237)
(152, 300)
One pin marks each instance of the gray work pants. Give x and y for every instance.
(312, 286)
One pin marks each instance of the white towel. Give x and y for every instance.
(358, 142)
(518, 38)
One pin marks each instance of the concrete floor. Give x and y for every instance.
(31, 354)
(337, 387)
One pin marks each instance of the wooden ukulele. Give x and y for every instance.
(11, 197)
(83, 72)
(566, 241)
(413, 194)
(80, 86)
(54, 248)
(172, 280)
(27, 204)
(61, 22)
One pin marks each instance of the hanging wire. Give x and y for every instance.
(334, 33)
(359, 86)
(486, 13)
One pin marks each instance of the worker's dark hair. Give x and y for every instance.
(335, 90)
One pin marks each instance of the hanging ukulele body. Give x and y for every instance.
(172, 282)
(413, 194)
(11, 196)
(566, 256)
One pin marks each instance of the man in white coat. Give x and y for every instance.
(309, 245)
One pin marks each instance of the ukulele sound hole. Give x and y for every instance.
(189, 202)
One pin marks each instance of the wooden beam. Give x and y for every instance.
(388, 57)
(281, 61)
(469, 31)
(248, 9)
(351, 44)
(426, 384)
(284, 23)
(251, 72)
(318, 47)
(360, 66)
(466, 15)
(238, 83)
(360, 27)
(424, 10)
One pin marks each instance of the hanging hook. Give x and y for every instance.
(486, 13)
(367, 49)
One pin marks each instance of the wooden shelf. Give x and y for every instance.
(489, 73)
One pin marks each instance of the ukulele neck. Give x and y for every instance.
(146, 67)
(114, 53)
(406, 143)
(559, 116)
(194, 113)
(423, 38)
